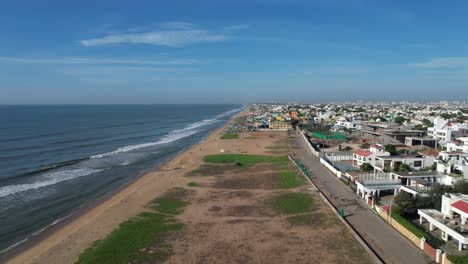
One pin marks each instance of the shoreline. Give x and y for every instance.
(44, 240)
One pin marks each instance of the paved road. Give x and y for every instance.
(387, 242)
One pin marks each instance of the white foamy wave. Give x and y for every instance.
(197, 125)
(49, 179)
(172, 136)
(229, 112)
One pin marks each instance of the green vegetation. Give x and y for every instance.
(366, 167)
(139, 239)
(246, 161)
(407, 224)
(312, 219)
(347, 148)
(229, 136)
(293, 203)
(391, 149)
(400, 120)
(192, 184)
(290, 179)
(458, 259)
(365, 146)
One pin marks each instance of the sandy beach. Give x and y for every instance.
(66, 243)
(228, 219)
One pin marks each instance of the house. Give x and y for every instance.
(362, 156)
(280, 125)
(445, 131)
(421, 141)
(372, 184)
(454, 163)
(451, 220)
(458, 145)
(419, 183)
(393, 163)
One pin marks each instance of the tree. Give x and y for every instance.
(366, 167)
(461, 187)
(347, 148)
(391, 149)
(404, 168)
(365, 146)
(400, 120)
(427, 123)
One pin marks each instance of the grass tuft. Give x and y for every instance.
(246, 160)
(192, 184)
(139, 239)
(229, 136)
(290, 179)
(293, 203)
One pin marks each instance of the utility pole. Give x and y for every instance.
(390, 213)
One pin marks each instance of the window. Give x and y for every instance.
(417, 163)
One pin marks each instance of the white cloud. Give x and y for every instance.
(447, 62)
(179, 34)
(87, 60)
(169, 34)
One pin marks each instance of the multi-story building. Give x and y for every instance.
(445, 131)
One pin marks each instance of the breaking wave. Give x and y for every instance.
(49, 179)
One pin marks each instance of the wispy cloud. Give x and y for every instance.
(90, 61)
(169, 34)
(338, 70)
(441, 63)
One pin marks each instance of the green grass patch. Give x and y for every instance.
(312, 219)
(290, 179)
(229, 136)
(458, 259)
(246, 160)
(192, 184)
(293, 203)
(407, 224)
(139, 239)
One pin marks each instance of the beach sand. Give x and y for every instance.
(227, 220)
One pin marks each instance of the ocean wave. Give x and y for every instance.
(172, 136)
(229, 112)
(49, 179)
(197, 125)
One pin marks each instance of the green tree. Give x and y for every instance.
(400, 120)
(365, 146)
(366, 167)
(391, 149)
(427, 123)
(461, 187)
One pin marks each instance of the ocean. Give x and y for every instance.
(55, 160)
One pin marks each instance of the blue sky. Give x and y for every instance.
(232, 51)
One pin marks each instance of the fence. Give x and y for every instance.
(338, 157)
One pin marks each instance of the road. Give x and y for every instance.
(383, 239)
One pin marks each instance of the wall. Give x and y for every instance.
(335, 171)
(428, 249)
(338, 157)
(315, 152)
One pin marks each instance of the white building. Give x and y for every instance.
(458, 145)
(451, 220)
(392, 163)
(362, 156)
(445, 131)
(454, 163)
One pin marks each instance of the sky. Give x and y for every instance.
(232, 51)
